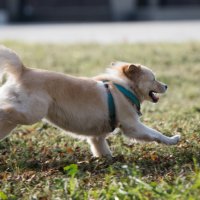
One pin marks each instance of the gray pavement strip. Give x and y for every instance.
(133, 32)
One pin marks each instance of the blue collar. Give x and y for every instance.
(130, 96)
(111, 104)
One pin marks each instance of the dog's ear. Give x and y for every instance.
(132, 70)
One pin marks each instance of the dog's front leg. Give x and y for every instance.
(99, 147)
(142, 132)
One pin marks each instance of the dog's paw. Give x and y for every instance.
(174, 139)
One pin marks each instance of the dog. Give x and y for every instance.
(88, 107)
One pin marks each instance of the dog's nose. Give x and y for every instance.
(166, 87)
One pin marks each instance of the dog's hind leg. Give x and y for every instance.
(5, 128)
(7, 124)
(99, 147)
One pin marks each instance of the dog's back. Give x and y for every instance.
(73, 104)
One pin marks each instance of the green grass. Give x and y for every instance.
(41, 162)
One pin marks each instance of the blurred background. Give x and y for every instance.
(97, 10)
(104, 21)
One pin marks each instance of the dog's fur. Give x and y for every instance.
(77, 105)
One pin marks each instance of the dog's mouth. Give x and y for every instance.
(154, 96)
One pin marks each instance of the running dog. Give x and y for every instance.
(87, 107)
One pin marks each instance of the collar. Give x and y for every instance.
(130, 96)
(111, 107)
(111, 104)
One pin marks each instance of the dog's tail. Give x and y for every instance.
(10, 63)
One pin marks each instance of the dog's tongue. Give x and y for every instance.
(154, 97)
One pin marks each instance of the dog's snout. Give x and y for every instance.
(166, 87)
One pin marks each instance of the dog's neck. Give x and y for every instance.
(135, 90)
(125, 82)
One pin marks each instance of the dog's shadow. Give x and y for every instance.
(161, 166)
(183, 159)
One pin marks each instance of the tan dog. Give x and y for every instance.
(77, 105)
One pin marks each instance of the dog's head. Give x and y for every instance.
(143, 82)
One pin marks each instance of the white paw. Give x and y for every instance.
(174, 139)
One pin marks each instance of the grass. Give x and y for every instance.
(41, 162)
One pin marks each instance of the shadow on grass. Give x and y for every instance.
(148, 163)
(147, 166)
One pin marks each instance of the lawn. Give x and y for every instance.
(41, 162)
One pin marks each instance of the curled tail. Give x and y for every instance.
(10, 63)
